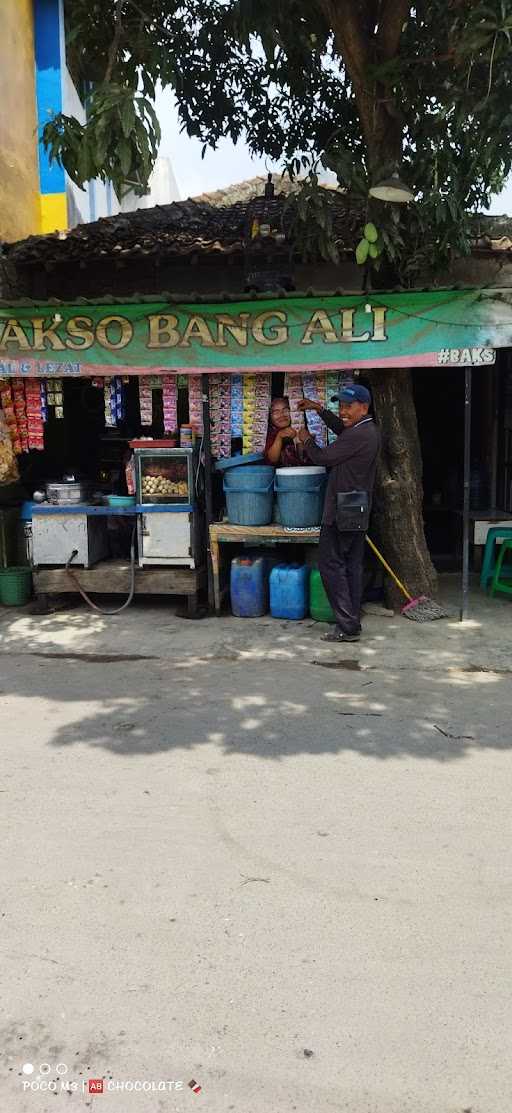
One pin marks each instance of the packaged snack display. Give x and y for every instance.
(332, 385)
(55, 397)
(44, 399)
(237, 405)
(168, 384)
(195, 403)
(187, 436)
(309, 385)
(220, 415)
(20, 411)
(34, 414)
(170, 402)
(257, 392)
(130, 476)
(314, 387)
(145, 402)
(294, 392)
(114, 401)
(9, 415)
(58, 393)
(8, 465)
(109, 420)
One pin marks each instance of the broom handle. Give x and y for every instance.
(388, 569)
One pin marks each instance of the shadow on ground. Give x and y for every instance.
(147, 683)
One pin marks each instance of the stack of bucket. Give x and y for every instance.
(249, 486)
(249, 494)
(249, 489)
(291, 589)
(300, 496)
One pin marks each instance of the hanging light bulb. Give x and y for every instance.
(392, 189)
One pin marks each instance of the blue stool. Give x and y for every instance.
(489, 561)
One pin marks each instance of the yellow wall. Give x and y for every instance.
(53, 212)
(19, 175)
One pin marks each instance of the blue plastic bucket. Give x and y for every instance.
(249, 494)
(300, 496)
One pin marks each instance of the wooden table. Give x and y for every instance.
(225, 533)
(112, 577)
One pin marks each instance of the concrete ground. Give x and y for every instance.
(237, 855)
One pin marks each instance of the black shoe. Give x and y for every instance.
(337, 635)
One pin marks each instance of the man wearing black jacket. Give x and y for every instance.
(352, 463)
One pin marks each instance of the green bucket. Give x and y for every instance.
(15, 586)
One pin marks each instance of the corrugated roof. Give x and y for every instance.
(214, 224)
(254, 187)
(188, 298)
(183, 228)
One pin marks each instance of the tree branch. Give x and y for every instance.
(353, 44)
(392, 18)
(349, 31)
(115, 40)
(370, 11)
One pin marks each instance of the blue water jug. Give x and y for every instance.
(249, 587)
(289, 591)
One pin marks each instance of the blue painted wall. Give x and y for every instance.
(48, 85)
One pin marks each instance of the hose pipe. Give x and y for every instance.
(79, 588)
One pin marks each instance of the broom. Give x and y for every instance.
(422, 609)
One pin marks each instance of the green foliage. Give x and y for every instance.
(273, 73)
(119, 141)
(310, 212)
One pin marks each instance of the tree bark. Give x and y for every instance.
(367, 34)
(397, 519)
(362, 46)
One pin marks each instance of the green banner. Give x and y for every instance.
(451, 328)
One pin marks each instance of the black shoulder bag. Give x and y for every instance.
(353, 511)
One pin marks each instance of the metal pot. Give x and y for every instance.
(70, 491)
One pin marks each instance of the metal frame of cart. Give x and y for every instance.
(112, 577)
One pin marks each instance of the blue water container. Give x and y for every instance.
(249, 587)
(249, 494)
(300, 496)
(289, 592)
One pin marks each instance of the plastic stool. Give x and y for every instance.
(489, 561)
(498, 584)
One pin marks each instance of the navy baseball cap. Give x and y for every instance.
(352, 392)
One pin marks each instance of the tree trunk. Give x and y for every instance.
(397, 520)
(366, 34)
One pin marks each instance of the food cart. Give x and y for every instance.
(169, 525)
(233, 355)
